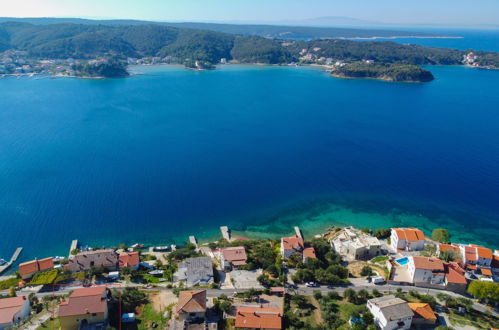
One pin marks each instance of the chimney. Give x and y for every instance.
(86, 311)
(24, 297)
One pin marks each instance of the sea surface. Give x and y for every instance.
(172, 152)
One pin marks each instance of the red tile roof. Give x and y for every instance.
(309, 253)
(9, 307)
(84, 301)
(409, 234)
(34, 266)
(434, 264)
(128, 259)
(236, 255)
(192, 301)
(292, 243)
(258, 318)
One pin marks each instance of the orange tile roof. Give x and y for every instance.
(470, 253)
(486, 271)
(45, 264)
(292, 243)
(309, 253)
(9, 307)
(34, 266)
(409, 234)
(484, 252)
(448, 247)
(454, 273)
(422, 310)
(192, 301)
(258, 318)
(28, 267)
(128, 259)
(470, 266)
(434, 264)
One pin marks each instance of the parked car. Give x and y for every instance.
(311, 284)
(378, 280)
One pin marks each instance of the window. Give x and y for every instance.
(94, 314)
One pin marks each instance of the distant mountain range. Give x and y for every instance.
(300, 31)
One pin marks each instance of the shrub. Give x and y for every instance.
(366, 271)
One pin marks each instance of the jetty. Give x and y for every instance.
(13, 259)
(298, 232)
(226, 233)
(74, 245)
(193, 240)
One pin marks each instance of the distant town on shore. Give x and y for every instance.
(105, 51)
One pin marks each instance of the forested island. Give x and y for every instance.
(382, 71)
(105, 50)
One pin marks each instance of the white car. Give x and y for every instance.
(378, 280)
(311, 284)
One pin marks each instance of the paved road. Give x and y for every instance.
(357, 285)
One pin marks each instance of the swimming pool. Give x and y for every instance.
(402, 261)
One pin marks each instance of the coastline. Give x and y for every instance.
(131, 73)
(400, 37)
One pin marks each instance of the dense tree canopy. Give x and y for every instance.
(441, 235)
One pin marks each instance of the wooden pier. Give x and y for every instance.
(12, 260)
(226, 233)
(74, 245)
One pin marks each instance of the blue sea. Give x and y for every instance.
(171, 152)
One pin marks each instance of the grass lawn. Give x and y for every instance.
(150, 279)
(147, 316)
(379, 259)
(50, 324)
(4, 285)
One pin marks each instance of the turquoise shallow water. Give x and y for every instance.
(172, 152)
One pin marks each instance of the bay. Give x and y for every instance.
(172, 152)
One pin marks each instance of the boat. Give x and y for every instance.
(2, 262)
(137, 246)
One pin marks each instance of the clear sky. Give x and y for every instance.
(389, 11)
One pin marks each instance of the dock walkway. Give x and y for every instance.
(298, 232)
(74, 245)
(226, 233)
(12, 260)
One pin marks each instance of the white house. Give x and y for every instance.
(390, 312)
(407, 239)
(13, 310)
(426, 270)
